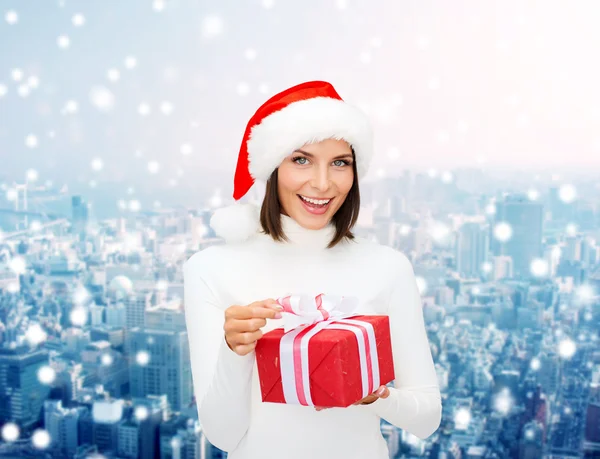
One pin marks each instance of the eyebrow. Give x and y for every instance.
(310, 155)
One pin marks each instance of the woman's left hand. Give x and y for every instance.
(382, 392)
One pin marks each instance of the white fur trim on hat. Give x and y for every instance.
(308, 121)
(237, 222)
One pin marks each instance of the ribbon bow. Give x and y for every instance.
(301, 310)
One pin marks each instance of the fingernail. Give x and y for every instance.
(380, 391)
(278, 315)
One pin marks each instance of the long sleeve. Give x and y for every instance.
(221, 378)
(414, 403)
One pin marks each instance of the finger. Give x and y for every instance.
(383, 390)
(368, 400)
(376, 392)
(386, 393)
(246, 338)
(269, 303)
(265, 312)
(252, 311)
(245, 325)
(243, 349)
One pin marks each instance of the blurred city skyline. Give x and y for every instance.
(160, 91)
(119, 137)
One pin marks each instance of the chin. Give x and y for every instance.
(312, 221)
(316, 225)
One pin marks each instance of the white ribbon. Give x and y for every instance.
(307, 310)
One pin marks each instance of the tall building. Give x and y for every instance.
(503, 267)
(472, 247)
(115, 315)
(183, 437)
(80, 217)
(148, 414)
(136, 305)
(592, 421)
(107, 416)
(525, 218)
(572, 251)
(129, 440)
(22, 394)
(166, 371)
(61, 424)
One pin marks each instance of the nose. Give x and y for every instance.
(320, 180)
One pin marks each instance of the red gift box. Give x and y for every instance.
(334, 364)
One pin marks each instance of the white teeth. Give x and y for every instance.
(315, 201)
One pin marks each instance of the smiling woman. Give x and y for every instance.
(311, 148)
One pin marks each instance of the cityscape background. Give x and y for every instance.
(119, 134)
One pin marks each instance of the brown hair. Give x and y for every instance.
(344, 219)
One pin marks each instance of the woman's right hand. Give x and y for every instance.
(243, 323)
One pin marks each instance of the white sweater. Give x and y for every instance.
(231, 412)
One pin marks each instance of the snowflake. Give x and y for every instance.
(41, 439)
(63, 41)
(503, 231)
(11, 17)
(78, 20)
(567, 193)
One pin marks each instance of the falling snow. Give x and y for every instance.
(503, 231)
(78, 20)
(185, 114)
(63, 41)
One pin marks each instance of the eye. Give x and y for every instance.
(346, 163)
(296, 158)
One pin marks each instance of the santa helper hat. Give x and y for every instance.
(306, 113)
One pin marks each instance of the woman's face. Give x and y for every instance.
(321, 171)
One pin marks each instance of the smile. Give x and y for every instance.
(315, 200)
(316, 207)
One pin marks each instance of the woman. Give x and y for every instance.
(307, 144)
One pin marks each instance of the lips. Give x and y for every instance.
(315, 210)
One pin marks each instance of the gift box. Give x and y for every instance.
(325, 355)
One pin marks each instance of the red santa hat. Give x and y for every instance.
(306, 113)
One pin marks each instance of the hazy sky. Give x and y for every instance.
(447, 84)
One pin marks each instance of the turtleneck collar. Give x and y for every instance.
(300, 236)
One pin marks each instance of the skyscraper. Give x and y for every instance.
(472, 248)
(80, 217)
(22, 394)
(525, 218)
(167, 370)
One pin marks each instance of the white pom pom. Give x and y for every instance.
(237, 222)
